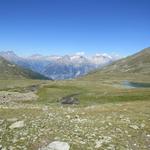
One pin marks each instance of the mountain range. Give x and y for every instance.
(11, 71)
(60, 67)
(67, 67)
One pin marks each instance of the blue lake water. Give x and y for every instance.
(128, 84)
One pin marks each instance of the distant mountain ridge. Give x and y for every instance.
(12, 71)
(60, 67)
(135, 65)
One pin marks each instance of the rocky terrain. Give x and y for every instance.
(92, 116)
(109, 127)
(12, 97)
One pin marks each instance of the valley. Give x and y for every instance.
(105, 109)
(74, 74)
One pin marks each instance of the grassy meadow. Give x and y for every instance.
(109, 116)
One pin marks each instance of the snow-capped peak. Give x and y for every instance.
(100, 59)
(103, 55)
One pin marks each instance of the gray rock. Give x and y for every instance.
(1, 122)
(57, 145)
(69, 100)
(18, 124)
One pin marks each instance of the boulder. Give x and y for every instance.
(57, 145)
(69, 100)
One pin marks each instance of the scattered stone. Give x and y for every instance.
(82, 142)
(18, 124)
(68, 116)
(11, 148)
(142, 125)
(110, 124)
(4, 148)
(134, 127)
(11, 97)
(45, 108)
(69, 100)
(57, 145)
(98, 144)
(101, 141)
(1, 122)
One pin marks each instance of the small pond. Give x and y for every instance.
(128, 84)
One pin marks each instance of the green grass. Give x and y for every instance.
(14, 84)
(51, 94)
(88, 93)
(106, 113)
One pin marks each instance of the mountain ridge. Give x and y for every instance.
(135, 65)
(12, 71)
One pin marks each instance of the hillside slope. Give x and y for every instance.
(11, 71)
(137, 65)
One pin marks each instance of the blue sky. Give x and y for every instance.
(70, 26)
